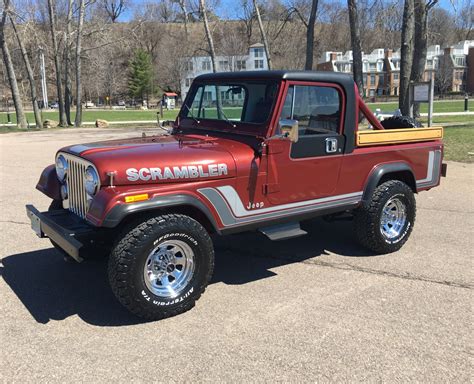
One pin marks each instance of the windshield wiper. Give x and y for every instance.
(190, 113)
(226, 119)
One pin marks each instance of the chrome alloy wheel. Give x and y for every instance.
(169, 268)
(394, 217)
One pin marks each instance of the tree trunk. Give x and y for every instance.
(310, 36)
(406, 59)
(356, 46)
(264, 35)
(80, 24)
(202, 6)
(31, 77)
(422, 9)
(20, 114)
(182, 4)
(67, 65)
(210, 41)
(57, 64)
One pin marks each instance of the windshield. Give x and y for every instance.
(237, 106)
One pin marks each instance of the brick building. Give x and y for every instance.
(453, 68)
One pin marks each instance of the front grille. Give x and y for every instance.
(77, 200)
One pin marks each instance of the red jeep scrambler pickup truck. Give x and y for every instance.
(248, 151)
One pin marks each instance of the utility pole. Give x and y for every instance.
(44, 88)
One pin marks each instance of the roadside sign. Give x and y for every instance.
(421, 92)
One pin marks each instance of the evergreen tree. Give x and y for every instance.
(140, 75)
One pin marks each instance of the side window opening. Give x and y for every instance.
(317, 109)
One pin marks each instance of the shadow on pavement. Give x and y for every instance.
(53, 290)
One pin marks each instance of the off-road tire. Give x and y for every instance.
(368, 218)
(395, 122)
(100, 248)
(128, 258)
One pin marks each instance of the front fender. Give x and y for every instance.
(49, 183)
(107, 211)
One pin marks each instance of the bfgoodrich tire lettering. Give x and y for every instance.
(384, 223)
(134, 256)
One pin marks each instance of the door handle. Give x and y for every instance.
(331, 145)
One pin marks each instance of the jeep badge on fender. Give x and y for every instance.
(276, 148)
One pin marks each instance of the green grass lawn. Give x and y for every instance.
(93, 115)
(137, 115)
(458, 143)
(439, 106)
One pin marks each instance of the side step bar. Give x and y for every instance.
(283, 231)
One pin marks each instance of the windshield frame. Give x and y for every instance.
(221, 125)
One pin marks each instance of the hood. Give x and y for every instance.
(163, 159)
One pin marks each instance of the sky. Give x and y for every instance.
(229, 8)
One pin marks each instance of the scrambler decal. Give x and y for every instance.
(173, 173)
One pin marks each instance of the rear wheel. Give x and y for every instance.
(161, 266)
(395, 122)
(384, 223)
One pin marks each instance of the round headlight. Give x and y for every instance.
(91, 181)
(61, 167)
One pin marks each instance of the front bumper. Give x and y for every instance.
(63, 228)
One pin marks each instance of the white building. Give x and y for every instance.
(256, 59)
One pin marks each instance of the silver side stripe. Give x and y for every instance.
(433, 171)
(232, 212)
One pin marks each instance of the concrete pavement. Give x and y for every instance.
(314, 308)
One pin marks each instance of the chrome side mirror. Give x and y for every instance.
(289, 129)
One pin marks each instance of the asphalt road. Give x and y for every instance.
(314, 308)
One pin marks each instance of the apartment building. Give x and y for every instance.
(254, 59)
(454, 69)
(381, 68)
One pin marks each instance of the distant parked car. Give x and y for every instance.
(121, 103)
(89, 104)
(53, 105)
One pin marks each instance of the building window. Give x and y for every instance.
(372, 67)
(395, 76)
(258, 52)
(206, 65)
(460, 61)
(188, 66)
(241, 64)
(364, 79)
(372, 80)
(258, 64)
(188, 81)
(223, 65)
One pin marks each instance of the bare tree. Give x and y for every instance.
(263, 34)
(309, 24)
(80, 25)
(67, 63)
(113, 8)
(310, 36)
(406, 56)
(20, 114)
(356, 46)
(210, 40)
(57, 64)
(422, 8)
(182, 5)
(31, 77)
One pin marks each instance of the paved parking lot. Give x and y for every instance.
(314, 308)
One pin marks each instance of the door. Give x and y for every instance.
(308, 169)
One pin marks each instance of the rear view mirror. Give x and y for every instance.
(289, 129)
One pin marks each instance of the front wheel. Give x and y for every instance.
(161, 266)
(384, 223)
